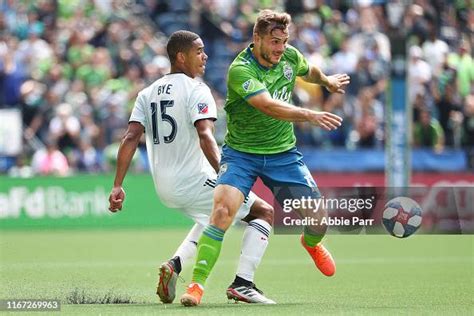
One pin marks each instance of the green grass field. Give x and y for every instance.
(376, 274)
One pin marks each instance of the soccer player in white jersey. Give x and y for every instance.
(177, 114)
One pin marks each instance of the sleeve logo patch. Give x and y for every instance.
(202, 108)
(248, 85)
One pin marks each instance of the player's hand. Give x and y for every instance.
(116, 198)
(325, 120)
(337, 83)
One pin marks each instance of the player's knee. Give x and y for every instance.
(261, 210)
(221, 216)
(267, 213)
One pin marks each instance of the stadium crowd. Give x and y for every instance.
(74, 67)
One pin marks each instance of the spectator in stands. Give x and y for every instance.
(468, 124)
(338, 104)
(65, 128)
(428, 133)
(12, 72)
(114, 120)
(90, 130)
(449, 105)
(57, 81)
(87, 158)
(21, 169)
(345, 60)
(34, 51)
(368, 34)
(32, 93)
(419, 74)
(464, 64)
(435, 50)
(415, 24)
(50, 161)
(96, 69)
(368, 119)
(336, 31)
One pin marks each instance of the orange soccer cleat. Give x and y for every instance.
(321, 257)
(193, 295)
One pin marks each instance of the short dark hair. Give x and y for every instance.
(180, 41)
(268, 21)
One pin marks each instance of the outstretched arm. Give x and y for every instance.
(334, 83)
(125, 154)
(287, 112)
(205, 130)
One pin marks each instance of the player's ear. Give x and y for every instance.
(180, 57)
(256, 38)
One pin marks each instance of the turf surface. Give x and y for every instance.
(376, 274)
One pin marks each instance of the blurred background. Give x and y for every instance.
(70, 71)
(69, 74)
(73, 69)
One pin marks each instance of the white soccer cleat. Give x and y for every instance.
(166, 288)
(247, 294)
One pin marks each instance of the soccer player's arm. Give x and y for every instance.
(125, 154)
(313, 74)
(205, 130)
(244, 83)
(334, 83)
(203, 113)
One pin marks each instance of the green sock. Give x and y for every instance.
(209, 248)
(310, 238)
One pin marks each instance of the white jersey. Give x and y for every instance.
(168, 110)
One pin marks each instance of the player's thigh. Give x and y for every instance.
(288, 177)
(239, 170)
(201, 208)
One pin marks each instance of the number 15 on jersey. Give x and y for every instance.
(164, 105)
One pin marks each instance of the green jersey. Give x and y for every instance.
(248, 129)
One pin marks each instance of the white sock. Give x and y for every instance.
(187, 249)
(254, 244)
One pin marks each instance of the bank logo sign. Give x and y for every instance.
(52, 202)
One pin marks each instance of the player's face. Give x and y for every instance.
(196, 59)
(272, 46)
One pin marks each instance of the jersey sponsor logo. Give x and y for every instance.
(288, 72)
(283, 94)
(202, 108)
(248, 85)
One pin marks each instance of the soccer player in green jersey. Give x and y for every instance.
(260, 142)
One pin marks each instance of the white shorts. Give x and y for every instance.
(201, 207)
